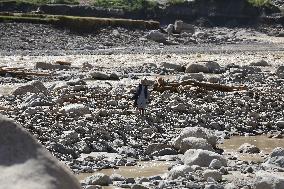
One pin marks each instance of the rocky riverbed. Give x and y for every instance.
(83, 114)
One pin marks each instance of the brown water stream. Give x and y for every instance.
(265, 144)
(142, 169)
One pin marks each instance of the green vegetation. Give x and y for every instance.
(42, 2)
(78, 23)
(130, 5)
(175, 2)
(260, 3)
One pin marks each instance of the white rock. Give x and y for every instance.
(179, 171)
(25, 163)
(202, 158)
(275, 159)
(157, 36)
(265, 180)
(215, 164)
(98, 179)
(76, 109)
(216, 175)
(194, 143)
(198, 132)
(180, 27)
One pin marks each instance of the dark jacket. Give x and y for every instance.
(138, 92)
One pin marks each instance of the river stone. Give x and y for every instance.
(75, 82)
(216, 175)
(117, 177)
(230, 186)
(280, 124)
(276, 158)
(202, 158)
(171, 66)
(165, 151)
(195, 76)
(213, 67)
(98, 179)
(215, 164)
(31, 87)
(280, 72)
(180, 27)
(214, 186)
(93, 187)
(138, 186)
(196, 68)
(75, 109)
(99, 76)
(179, 171)
(25, 163)
(197, 132)
(194, 143)
(265, 180)
(262, 63)
(157, 36)
(248, 148)
(156, 147)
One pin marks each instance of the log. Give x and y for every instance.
(20, 72)
(162, 86)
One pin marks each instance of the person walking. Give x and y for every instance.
(141, 96)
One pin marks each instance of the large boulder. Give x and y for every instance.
(280, 72)
(181, 26)
(275, 159)
(99, 76)
(31, 87)
(156, 35)
(265, 180)
(196, 68)
(197, 132)
(179, 171)
(202, 158)
(203, 66)
(248, 148)
(194, 143)
(26, 164)
(261, 63)
(216, 175)
(213, 67)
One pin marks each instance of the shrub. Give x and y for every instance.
(42, 2)
(175, 2)
(260, 3)
(129, 5)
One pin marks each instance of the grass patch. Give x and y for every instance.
(129, 5)
(78, 23)
(260, 3)
(175, 2)
(43, 2)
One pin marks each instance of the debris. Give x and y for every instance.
(162, 86)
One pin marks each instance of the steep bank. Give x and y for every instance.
(217, 12)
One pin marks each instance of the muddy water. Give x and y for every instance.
(142, 169)
(265, 144)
